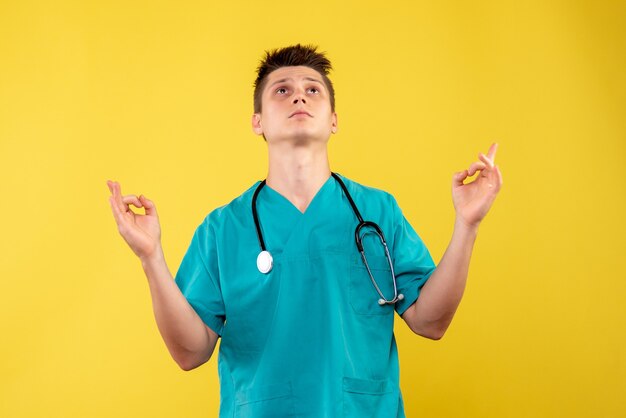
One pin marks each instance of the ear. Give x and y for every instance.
(333, 126)
(256, 124)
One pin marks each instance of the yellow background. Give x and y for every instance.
(158, 95)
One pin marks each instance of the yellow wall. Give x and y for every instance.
(158, 95)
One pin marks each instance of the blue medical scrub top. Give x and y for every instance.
(308, 339)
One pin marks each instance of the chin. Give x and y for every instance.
(305, 137)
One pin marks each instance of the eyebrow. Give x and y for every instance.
(282, 80)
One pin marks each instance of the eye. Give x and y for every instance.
(313, 90)
(281, 90)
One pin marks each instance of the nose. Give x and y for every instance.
(299, 96)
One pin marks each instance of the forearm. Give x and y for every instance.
(442, 293)
(183, 331)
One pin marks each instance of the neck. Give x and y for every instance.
(298, 173)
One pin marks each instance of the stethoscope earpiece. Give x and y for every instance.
(382, 302)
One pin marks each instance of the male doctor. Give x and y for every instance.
(305, 317)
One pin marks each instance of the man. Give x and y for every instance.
(306, 321)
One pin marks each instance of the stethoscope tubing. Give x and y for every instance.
(267, 258)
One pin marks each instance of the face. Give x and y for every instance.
(295, 107)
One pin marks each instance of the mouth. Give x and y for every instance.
(300, 112)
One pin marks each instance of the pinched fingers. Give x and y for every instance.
(123, 202)
(488, 161)
(148, 205)
(120, 204)
(131, 198)
(478, 165)
(490, 158)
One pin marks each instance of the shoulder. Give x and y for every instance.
(235, 210)
(368, 195)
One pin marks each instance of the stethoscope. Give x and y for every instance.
(265, 261)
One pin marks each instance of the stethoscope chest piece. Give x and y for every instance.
(264, 262)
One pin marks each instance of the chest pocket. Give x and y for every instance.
(363, 294)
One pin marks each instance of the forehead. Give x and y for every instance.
(296, 73)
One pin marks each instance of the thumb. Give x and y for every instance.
(148, 205)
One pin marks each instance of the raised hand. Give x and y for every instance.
(141, 232)
(473, 200)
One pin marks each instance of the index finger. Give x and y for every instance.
(492, 151)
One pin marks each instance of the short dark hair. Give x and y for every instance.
(294, 55)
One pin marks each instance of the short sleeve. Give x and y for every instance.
(198, 278)
(412, 262)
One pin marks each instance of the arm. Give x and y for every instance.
(432, 312)
(188, 339)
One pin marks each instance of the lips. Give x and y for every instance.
(300, 112)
